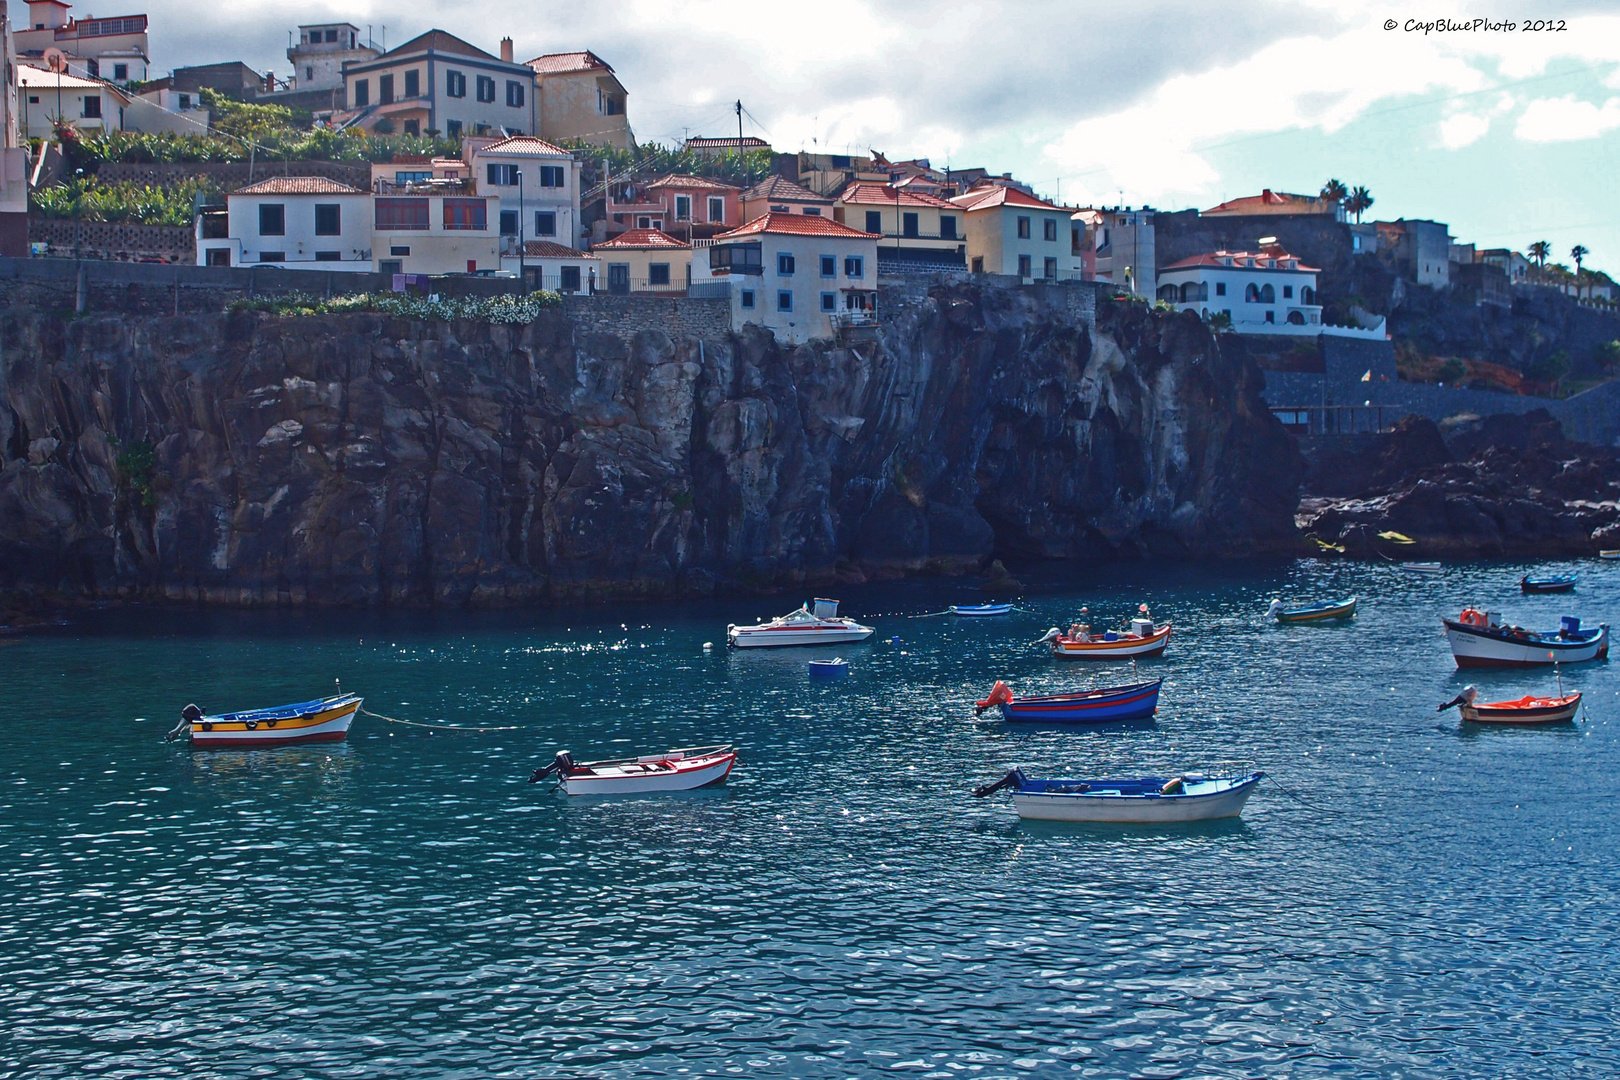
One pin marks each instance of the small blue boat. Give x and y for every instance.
(1328, 609)
(980, 609)
(1552, 583)
(1104, 705)
(836, 668)
(1146, 801)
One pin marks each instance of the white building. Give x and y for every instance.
(293, 222)
(160, 108)
(321, 51)
(114, 49)
(85, 104)
(556, 267)
(1262, 292)
(538, 185)
(801, 276)
(13, 152)
(437, 82)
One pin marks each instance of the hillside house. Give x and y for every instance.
(1277, 203)
(437, 82)
(645, 260)
(693, 207)
(538, 186)
(320, 52)
(1264, 291)
(291, 222)
(1010, 231)
(88, 105)
(579, 97)
(801, 276)
(113, 49)
(777, 194)
(917, 231)
(1118, 245)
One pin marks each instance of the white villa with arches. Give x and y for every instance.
(1265, 291)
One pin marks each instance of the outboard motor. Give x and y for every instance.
(561, 766)
(188, 716)
(1014, 779)
(1465, 698)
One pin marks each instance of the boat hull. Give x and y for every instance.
(745, 637)
(236, 731)
(981, 611)
(1123, 649)
(1128, 703)
(1524, 711)
(1135, 809)
(1344, 610)
(1547, 585)
(697, 773)
(1481, 647)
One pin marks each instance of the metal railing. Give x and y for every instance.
(1333, 419)
(432, 186)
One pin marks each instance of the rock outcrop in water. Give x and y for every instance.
(248, 458)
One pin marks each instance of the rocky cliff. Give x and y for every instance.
(249, 458)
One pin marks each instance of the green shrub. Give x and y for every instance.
(509, 309)
(86, 199)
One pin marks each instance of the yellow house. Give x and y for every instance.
(779, 195)
(1012, 232)
(580, 98)
(918, 231)
(645, 260)
(434, 233)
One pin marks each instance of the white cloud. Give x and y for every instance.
(1466, 126)
(1565, 119)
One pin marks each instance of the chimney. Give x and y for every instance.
(506, 49)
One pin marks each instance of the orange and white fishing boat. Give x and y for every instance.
(324, 720)
(1530, 709)
(1141, 640)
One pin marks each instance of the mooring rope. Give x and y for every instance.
(435, 727)
(1302, 800)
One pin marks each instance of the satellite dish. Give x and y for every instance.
(56, 59)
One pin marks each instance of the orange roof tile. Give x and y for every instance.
(869, 192)
(546, 249)
(675, 180)
(784, 190)
(1218, 259)
(704, 143)
(523, 144)
(796, 225)
(1304, 204)
(564, 63)
(643, 239)
(986, 198)
(297, 185)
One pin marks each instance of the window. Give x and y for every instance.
(217, 257)
(784, 300)
(854, 266)
(389, 266)
(466, 214)
(1296, 318)
(717, 208)
(92, 106)
(829, 266)
(452, 129)
(328, 256)
(185, 101)
(328, 219)
(399, 249)
(503, 175)
(1051, 268)
(978, 264)
(874, 221)
(402, 213)
(455, 84)
(362, 93)
(413, 83)
(309, 74)
(545, 223)
(272, 219)
(829, 301)
(947, 226)
(331, 35)
(658, 273)
(1288, 292)
(120, 72)
(1023, 228)
(509, 222)
(413, 127)
(486, 88)
(813, 211)
(748, 298)
(908, 225)
(33, 99)
(272, 256)
(784, 265)
(412, 176)
(646, 223)
(385, 89)
(568, 280)
(1271, 316)
(514, 94)
(1307, 295)
(1051, 229)
(1220, 288)
(551, 176)
(1024, 265)
(683, 208)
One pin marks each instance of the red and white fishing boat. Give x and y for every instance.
(1143, 639)
(821, 626)
(325, 720)
(1529, 709)
(674, 770)
(1480, 639)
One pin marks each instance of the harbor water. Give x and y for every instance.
(1406, 896)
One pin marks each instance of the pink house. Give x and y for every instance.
(690, 207)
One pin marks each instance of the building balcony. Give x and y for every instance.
(430, 186)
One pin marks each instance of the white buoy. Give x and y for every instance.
(708, 646)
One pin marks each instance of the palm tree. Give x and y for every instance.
(1540, 251)
(1359, 202)
(1578, 252)
(1334, 191)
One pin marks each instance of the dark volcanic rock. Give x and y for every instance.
(357, 459)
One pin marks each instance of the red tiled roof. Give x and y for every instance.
(1218, 258)
(1306, 204)
(546, 249)
(523, 144)
(563, 63)
(784, 190)
(796, 225)
(868, 192)
(644, 239)
(987, 197)
(297, 185)
(749, 143)
(676, 180)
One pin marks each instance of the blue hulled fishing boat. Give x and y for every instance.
(1107, 704)
(1551, 583)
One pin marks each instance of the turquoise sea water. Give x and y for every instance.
(1429, 901)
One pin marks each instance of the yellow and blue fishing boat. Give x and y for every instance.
(323, 720)
(1331, 609)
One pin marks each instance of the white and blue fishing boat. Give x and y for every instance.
(1149, 800)
(1549, 583)
(1105, 704)
(1323, 612)
(1481, 639)
(836, 668)
(980, 610)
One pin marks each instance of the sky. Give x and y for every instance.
(1510, 135)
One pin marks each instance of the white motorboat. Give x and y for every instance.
(1150, 800)
(675, 770)
(821, 625)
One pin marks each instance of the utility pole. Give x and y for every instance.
(747, 175)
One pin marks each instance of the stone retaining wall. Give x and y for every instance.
(699, 318)
(113, 241)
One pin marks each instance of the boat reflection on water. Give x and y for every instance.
(318, 766)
